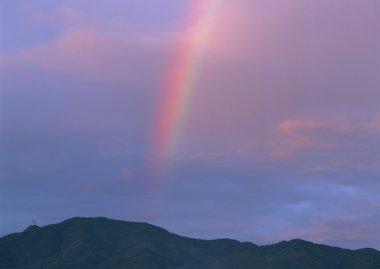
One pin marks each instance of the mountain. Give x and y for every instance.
(103, 243)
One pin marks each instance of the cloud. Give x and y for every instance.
(330, 145)
(282, 135)
(375, 125)
(93, 55)
(353, 231)
(64, 15)
(94, 48)
(301, 135)
(268, 62)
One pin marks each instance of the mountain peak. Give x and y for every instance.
(32, 228)
(105, 243)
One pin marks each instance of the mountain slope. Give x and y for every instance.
(103, 243)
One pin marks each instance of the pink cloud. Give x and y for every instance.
(345, 146)
(295, 136)
(375, 124)
(64, 15)
(295, 127)
(94, 55)
(70, 18)
(94, 47)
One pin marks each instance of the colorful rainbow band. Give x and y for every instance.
(182, 81)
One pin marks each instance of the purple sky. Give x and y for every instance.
(281, 139)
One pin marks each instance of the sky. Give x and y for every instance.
(249, 119)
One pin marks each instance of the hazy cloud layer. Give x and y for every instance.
(281, 139)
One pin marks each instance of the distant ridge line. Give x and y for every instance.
(99, 243)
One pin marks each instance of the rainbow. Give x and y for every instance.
(182, 79)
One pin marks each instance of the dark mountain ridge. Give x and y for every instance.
(103, 243)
